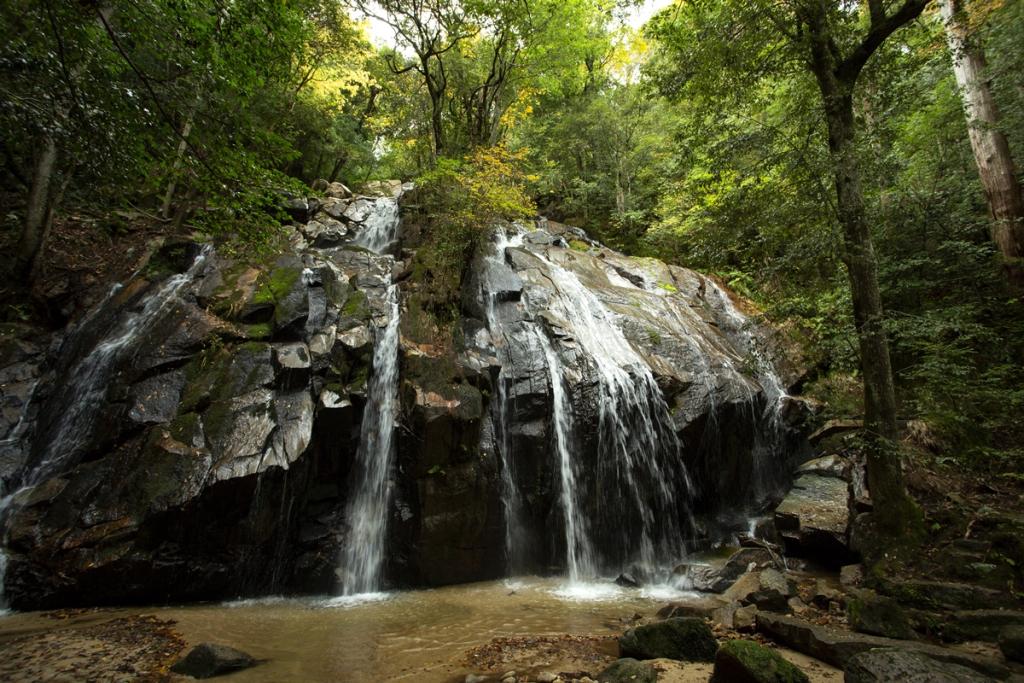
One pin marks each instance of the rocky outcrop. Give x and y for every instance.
(888, 664)
(193, 436)
(814, 517)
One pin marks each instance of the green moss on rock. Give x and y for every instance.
(628, 670)
(686, 638)
(743, 661)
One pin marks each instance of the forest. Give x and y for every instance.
(843, 176)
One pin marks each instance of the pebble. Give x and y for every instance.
(546, 677)
(508, 674)
(473, 678)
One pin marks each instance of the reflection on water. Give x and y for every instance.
(412, 635)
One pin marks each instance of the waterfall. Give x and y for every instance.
(380, 228)
(363, 555)
(770, 434)
(83, 393)
(638, 473)
(501, 418)
(362, 558)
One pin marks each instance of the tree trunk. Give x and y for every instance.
(165, 208)
(37, 210)
(885, 474)
(989, 144)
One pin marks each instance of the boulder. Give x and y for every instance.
(743, 661)
(684, 638)
(628, 670)
(703, 607)
(838, 647)
(869, 612)
(813, 518)
(1011, 642)
(300, 209)
(207, 660)
(882, 665)
(715, 579)
(745, 618)
(978, 624)
(337, 190)
(772, 592)
(627, 580)
(824, 595)
(851, 575)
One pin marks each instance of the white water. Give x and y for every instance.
(501, 418)
(88, 385)
(363, 554)
(380, 228)
(362, 557)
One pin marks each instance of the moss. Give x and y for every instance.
(356, 306)
(579, 245)
(259, 331)
(738, 657)
(668, 287)
(653, 336)
(276, 285)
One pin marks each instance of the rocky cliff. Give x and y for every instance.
(192, 437)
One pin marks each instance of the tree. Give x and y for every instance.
(988, 142)
(832, 41)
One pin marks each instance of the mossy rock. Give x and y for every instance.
(684, 638)
(628, 670)
(579, 245)
(869, 612)
(743, 661)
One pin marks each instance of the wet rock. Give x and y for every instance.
(627, 580)
(827, 466)
(814, 517)
(359, 210)
(358, 340)
(335, 208)
(702, 607)
(627, 670)
(292, 363)
(301, 209)
(684, 638)
(743, 661)
(837, 647)
(869, 612)
(155, 399)
(207, 660)
(325, 233)
(1011, 642)
(881, 665)
(712, 579)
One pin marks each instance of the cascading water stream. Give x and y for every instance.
(362, 559)
(638, 469)
(380, 228)
(86, 389)
(363, 555)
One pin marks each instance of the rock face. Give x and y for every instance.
(222, 395)
(814, 518)
(684, 638)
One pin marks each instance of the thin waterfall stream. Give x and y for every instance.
(363, 554)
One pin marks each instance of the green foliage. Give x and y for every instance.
(462, 201)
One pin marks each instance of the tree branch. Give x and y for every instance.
(882, 27)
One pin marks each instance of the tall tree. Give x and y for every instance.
(988, 142)
(833, 41)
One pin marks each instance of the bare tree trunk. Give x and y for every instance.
(165, 208)
(37, 210)
(989, 144)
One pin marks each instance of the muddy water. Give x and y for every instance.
(404, 636)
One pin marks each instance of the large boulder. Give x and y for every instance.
(882, 665)
(684, 638)
(743, 661)
(813, 519)
(1011, 642)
